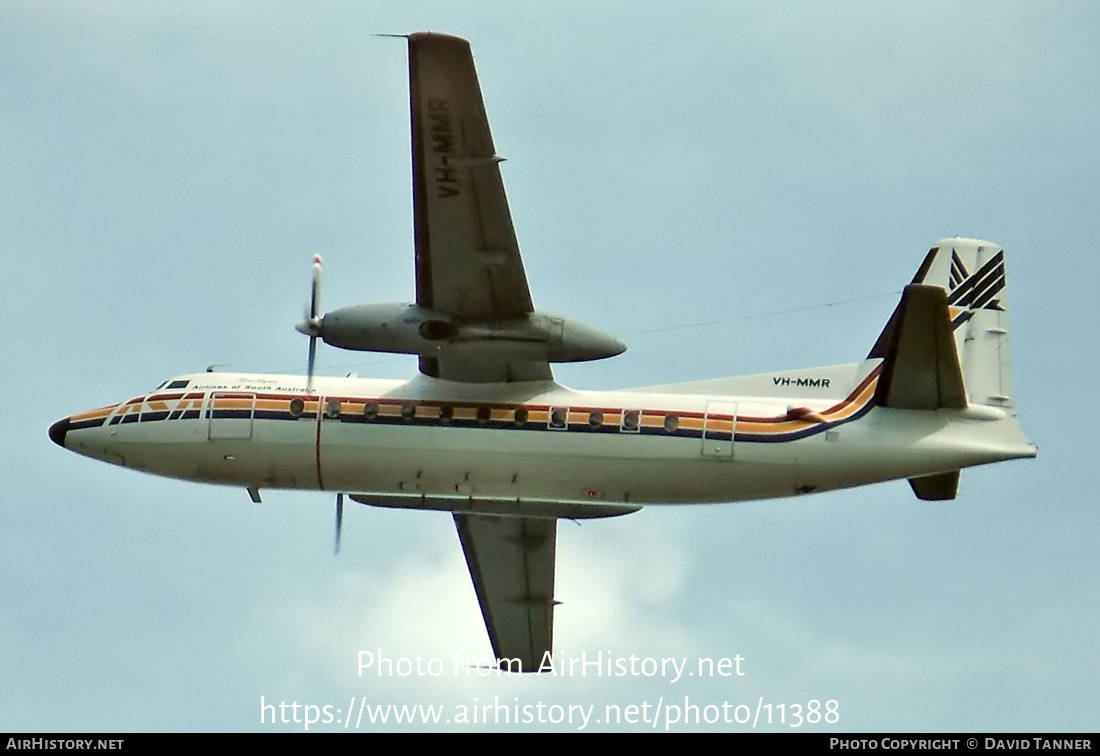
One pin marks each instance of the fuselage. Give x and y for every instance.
(530, 442)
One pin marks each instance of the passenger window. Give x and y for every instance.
(297, 407)
(559, 418)
(631, 419)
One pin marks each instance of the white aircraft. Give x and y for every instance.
(485, 433)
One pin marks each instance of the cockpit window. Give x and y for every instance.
(177, 384)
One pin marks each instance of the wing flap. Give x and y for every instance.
(511, 562)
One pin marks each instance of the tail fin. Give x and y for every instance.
(972, 274)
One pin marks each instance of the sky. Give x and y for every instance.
(729, 187)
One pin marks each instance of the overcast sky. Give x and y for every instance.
(729, 187)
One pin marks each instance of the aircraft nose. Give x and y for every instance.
(58, 431)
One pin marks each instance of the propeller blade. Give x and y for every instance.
(309, 363)
(339, 522)
(315, 294)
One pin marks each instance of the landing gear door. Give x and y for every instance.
(231, 415)
(719, 427)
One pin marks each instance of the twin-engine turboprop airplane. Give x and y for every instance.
(485, 433)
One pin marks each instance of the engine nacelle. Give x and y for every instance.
(411, 329)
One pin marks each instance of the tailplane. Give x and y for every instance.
(946, 344)
(920, 361)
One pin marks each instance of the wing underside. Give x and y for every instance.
(511, 561)
(468, 263)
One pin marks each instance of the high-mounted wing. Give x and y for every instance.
(473, 320)
(467, 259)
(511, 561)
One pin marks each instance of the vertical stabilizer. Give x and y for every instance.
(973, 274)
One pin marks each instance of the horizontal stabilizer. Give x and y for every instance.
(941, 487)
(921, 369)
